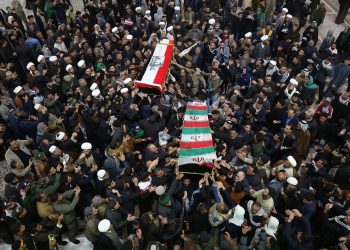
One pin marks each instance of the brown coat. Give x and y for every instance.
(127, 146)
(236, 197)
(301, 145)
(44, 209)
(91, 231)
(302, 142)
(19, 103)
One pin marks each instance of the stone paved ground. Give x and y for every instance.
(332, 9)
(4, 168)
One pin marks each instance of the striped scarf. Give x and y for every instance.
(338, 220)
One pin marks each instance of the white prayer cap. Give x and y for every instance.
(68, 67)
(96, 93)
(104, 225)
(289, 16)
(274, 63)
(52, 149)
(29, 65)
(93, 86)
(60, 136)
(86, 146)
(211, 21)
(53, 58)
(127, 80)
(100, 174)
(177, 8)
(170, 28)
(161, 23)
(81, 63)
(17, 89)
(124, 90)
(292, 181)
(37, 106)
(247, 35)
(285, 10)
(138, 8)
(115, 29)
(129, 37)
(40, 57)
(147, 12)
(264, 38)
(292, 161)
(294, 82)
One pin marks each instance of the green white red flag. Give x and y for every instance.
(196, 145)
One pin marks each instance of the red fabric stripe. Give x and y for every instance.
(197, 144)
(208, 164)
(194, 107)
(194, 124)
(162, 71)
(145, 85)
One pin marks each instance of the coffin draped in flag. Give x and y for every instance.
(196, 148)
(156, 72)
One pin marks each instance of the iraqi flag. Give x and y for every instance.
(197, 152)
(156, 72)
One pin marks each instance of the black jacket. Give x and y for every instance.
(103, 243)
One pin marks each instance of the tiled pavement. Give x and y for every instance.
(332, 9)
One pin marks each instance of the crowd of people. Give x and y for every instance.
(88, 154)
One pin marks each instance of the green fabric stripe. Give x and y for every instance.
(196, 151)
(196, 112)
(196, 131)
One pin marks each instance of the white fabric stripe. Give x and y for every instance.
(196, 137)
(199, 159)
(197, 104)
(196, 118)
(151, 72)
(148, 83)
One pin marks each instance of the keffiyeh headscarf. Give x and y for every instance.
(41, 128)
(303, 125)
